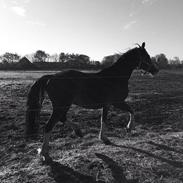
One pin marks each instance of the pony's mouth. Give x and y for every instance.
(152, 72)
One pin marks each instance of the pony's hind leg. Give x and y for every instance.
(55, 117)
(75, 128)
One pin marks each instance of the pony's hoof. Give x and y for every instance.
(105, 140)
(128, 130)
(45, 158)
(78, 132)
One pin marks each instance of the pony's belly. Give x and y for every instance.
(88, 102)
(96, 100)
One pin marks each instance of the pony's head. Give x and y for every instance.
(145, 62)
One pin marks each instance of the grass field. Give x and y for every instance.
(153, 153)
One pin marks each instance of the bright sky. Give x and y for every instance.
(93, 27)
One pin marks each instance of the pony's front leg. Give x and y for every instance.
(125, 107)
(45, 147)
(102, 126)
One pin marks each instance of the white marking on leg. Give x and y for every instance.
(131, 122)
(39, 151)
(102, 126)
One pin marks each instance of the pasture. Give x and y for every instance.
(152, 153)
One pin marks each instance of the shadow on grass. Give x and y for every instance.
(156, 109)
(165, 147)
(177, 164)
(117, 171)
(62, 173)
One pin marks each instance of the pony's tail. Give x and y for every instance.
(34, 104)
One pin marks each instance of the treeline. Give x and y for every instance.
(43, 61)
(164, 63)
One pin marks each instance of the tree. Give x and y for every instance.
(96, 63)
(161, 60)
(1, 58)
(10, 57)
(109, 60)
(62, 57)
(40, 56)
(84, 59)
(175, 61)
(79, 60)
(153, 59)
(53, 58)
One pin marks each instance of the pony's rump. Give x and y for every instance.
(34, 103)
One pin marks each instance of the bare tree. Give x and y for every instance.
(161, 60)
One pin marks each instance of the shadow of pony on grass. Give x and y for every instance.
(62, 173)
(174, 163)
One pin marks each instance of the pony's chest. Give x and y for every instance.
(89, 94)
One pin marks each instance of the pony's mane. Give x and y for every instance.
(124, 55)
(123, 58)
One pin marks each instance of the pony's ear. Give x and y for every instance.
(143, 45)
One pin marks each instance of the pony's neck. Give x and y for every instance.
(123, 67)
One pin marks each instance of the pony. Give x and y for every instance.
(96, 90)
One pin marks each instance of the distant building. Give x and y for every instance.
(25, 63)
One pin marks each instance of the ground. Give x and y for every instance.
(152, 153)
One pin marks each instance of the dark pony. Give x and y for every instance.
(90, 90)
